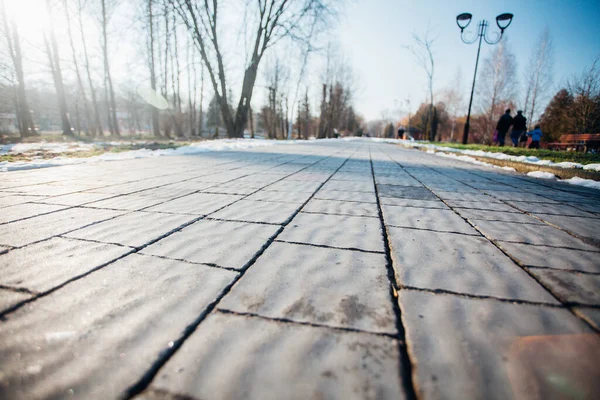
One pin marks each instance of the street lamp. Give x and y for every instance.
(463, 20)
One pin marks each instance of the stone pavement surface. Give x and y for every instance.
(327, 270)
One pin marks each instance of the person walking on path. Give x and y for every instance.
(518, 129)
(504, 124)
(536, 135)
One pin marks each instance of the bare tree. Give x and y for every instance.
(497, 84)
(422, 50)
(276, 19)
(539, 75)
(86, 106)
(97, 125)
(113, 123)
(155, 115)
(11, 33)
(585, 89)
(54, 61)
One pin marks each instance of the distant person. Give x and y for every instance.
(536, 135)
(400, 134)
(518, 129)
(503, 126)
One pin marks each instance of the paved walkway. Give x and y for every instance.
(330, 270)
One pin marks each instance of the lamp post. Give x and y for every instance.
(463, 20)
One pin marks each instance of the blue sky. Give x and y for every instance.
(373, 33)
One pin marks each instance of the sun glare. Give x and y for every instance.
(31, 18)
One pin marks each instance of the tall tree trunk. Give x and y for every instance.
(201, 105)
(151, 63)
(52, 50)
(86, 106)
(25, 121)
(112, 114)
(97, 125)
(251, 119)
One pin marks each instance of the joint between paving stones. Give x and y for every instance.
(405, 363)
(324, 246)
(304, 323)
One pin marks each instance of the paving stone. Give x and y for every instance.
(569, 286)
(532, 234)
(393, 201)
(482, 205)
(293, 186)
(76, 199)
(363, 197)
(426, 218)
(14, 199)
(92, 337)
(553, 208)
(336, 231)
(591, 315)
(226, 244)
(348, 186)
(9, 298)
(134, 229)
(341, 207)
(34, 229)
(552, 257)
(48, 190)
(45, 265)
(475, 357)
(580, 226)
(406, 192)
(130, 202)
(196, 204)
(280, 197)
(476, 214)
(331, 287)
(462, 264)
(258, 211)
(20, 211)
(281, 361)
(353, 176)
(517, 195)
(234, 190)
(474, 197)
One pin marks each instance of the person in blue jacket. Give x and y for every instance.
(535, 135)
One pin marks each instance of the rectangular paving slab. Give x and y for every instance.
(393, 201)
(462, 264)
(475, 214)
(474, 357)
(21, 211)
(531, 234)
(335, 230)
(224, 243)
(342, 207)
(258, 211)
(196, 204)
(76, 199)
(276, 361)
(129, 202)
(97, 336)
(42, 227)
(134, 229)
(426, 218)
(584, 227)
(45, 265)
(406, 192)
(339, 288)
(570, 286)
(280, 197)
(364, 197)
(552, 257)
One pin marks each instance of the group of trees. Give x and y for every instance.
(184, 46)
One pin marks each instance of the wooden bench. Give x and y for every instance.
(582, 142)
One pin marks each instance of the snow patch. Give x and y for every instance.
(583, 182)
(592, 167)
(541, 175)
(194, 148)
